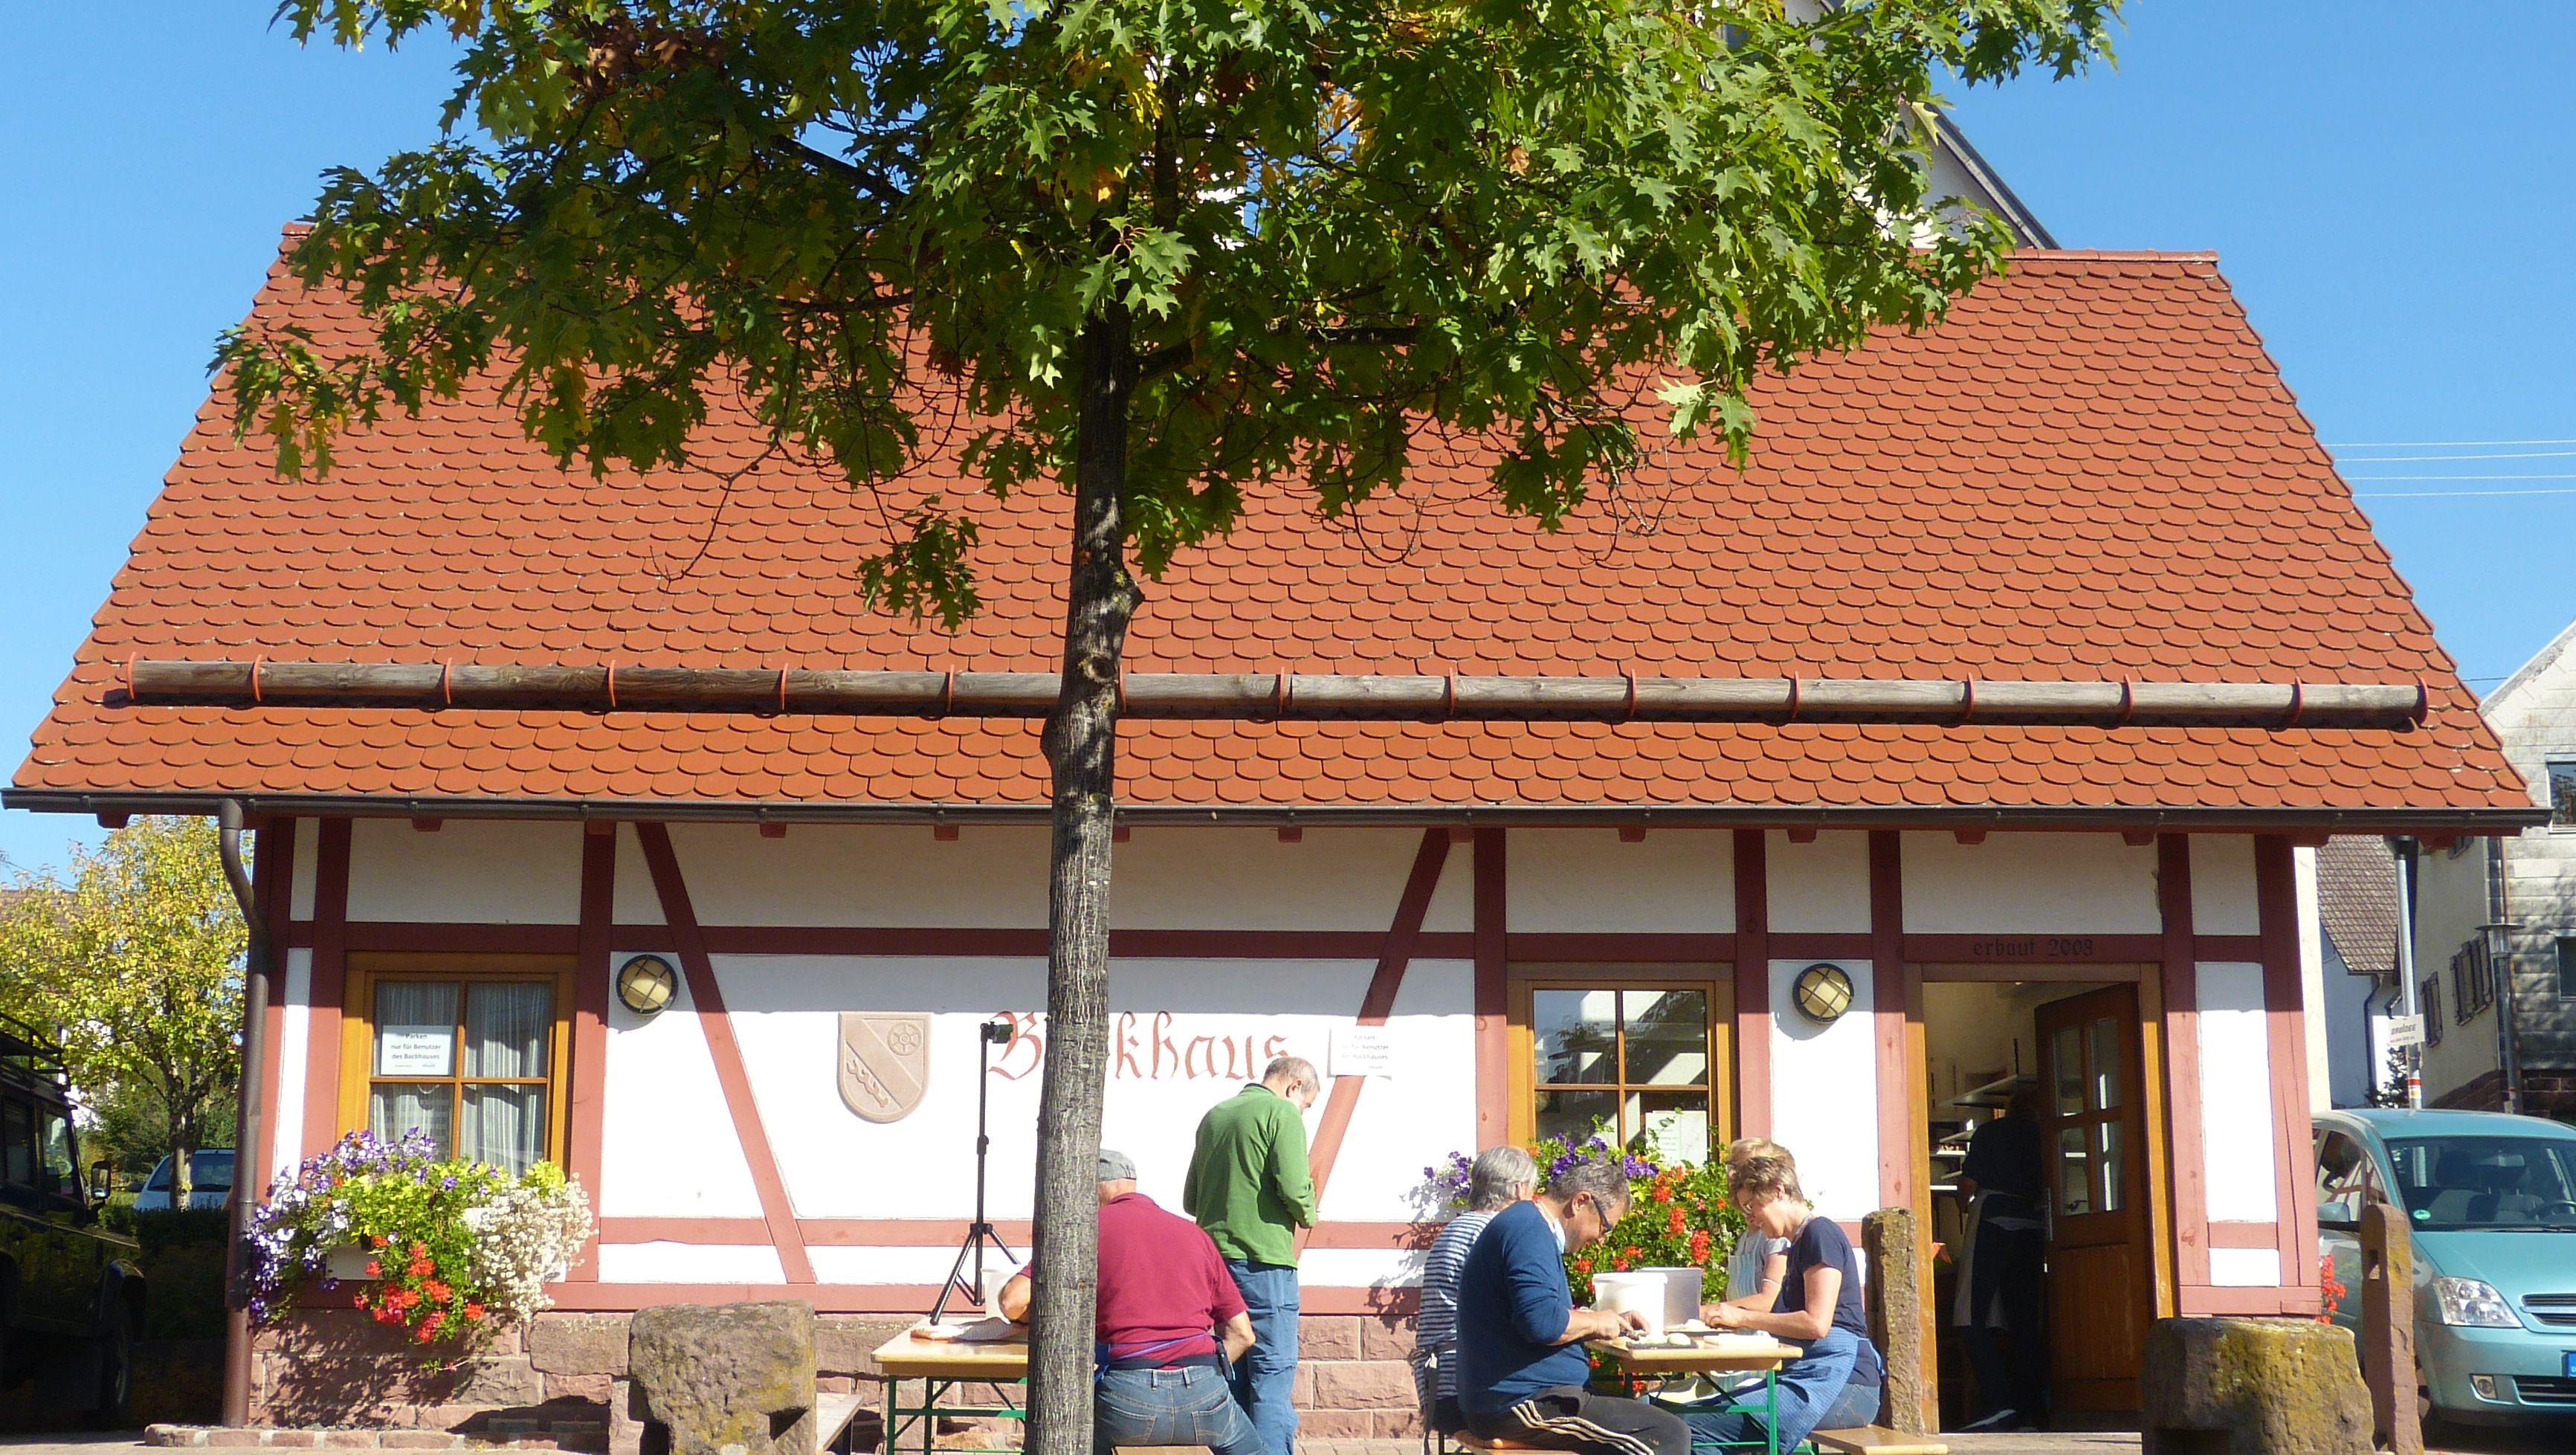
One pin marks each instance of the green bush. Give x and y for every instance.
(183, 1290)
(181, 1227)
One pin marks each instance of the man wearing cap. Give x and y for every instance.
(1170, 1324)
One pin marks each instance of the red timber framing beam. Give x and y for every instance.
(1493, 1008)
(707, 997)
(2276, 898)
(273, 874)
(1379, 1003)
(329, 981)
(1752, 959)
(591, 990)
(1896, 1130)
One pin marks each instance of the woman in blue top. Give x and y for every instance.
(1836, 1383)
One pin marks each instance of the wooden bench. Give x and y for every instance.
(1466, 1441)
(1876, 1440)
(832, 1416)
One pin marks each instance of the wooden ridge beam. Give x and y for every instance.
(1274, 697)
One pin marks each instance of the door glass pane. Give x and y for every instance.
(2074, 1175)
(1674, 1124)
(397, 1107)
(1667, 1037)
(1572, 1114)
(505, 1027)
(18, 1156)
(2113, 1165)
(1574, 1033)
(503, 1125)
(2105, 1054)
(2068, 1068)
(415, 1028)
(54, 1170)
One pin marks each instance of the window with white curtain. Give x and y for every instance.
(470, 1060)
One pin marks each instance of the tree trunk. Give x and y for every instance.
(1081, 747)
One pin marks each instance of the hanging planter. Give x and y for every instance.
(350, 1263)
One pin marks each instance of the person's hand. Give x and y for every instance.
(1723, 1316)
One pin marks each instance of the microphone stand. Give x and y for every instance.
(980, 1232)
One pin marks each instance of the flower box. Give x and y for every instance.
(351, 1264)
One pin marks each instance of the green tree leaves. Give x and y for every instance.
(1340, 232)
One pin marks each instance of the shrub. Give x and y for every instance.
(1678, 1215)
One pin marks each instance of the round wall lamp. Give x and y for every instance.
(646, 983)
(1822, 993)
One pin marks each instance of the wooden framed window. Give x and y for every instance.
(1642, 1051)
(470, 1049)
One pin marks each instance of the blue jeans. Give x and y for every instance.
(1188, 1406)
(1266, 1376)
(1816, 1393)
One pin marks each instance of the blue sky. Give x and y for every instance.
(2385, 190)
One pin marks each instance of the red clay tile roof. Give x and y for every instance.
(2357, 901)
(2092, 470)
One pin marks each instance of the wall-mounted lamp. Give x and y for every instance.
(1822, 993)
(646, 983)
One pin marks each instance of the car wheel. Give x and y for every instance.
(115, 1374)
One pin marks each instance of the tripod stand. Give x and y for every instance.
(980, 1232)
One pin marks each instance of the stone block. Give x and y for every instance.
(847, 1343)
(1301, 1386)
(1364, 1385)
(1396, 1424)
(1894, 1293)
(1328, 1336)
(235, 1439)
(2252, 1387)
(737, 1375)
(578, 1343)
(352, 1439)
(507, 1379)
(172, 1436)
(417, 1440)
(1386, 1337)
(454, 1418)
(625, 1425)
(589, 1387)
(1332, 1425)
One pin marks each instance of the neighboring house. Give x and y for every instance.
(2527, 881)
(2357, 914)
(2091, 471)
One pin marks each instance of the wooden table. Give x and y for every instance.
(1741, 1357)
(941, 1365)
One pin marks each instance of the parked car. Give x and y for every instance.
(2491, 1201)
(210, 1181)
(71, 1293)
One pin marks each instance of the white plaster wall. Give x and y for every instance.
(692, 1263)
(2245, 1267)
(1824, 1093)
(1820, 887)
(786, 1011)
(490, 871)
(307, 872)
(1585, 880)
(2450, 905)
(2090, 884)
(667, 1141)
(2222, 885)
(294, 1060)
(1246, 879)
(636, 901)
(895, 1265)
(2235, 1094)
(866, 874)
(2312, 979)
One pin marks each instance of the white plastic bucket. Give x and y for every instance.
(1637, 1292)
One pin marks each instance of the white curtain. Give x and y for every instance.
(398, 1107)
(507, 1028)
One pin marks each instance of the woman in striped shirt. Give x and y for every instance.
(1499, 1177)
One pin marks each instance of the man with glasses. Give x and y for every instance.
(1521, 1364)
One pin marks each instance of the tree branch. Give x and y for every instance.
(876, 184)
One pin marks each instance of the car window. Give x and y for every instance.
(2487, 1182)
(212, 1171)
(17, 1145)
(159, 1181)
(2344, 1183)
(57, 1171)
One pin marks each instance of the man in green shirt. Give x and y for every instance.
(1249, 1188)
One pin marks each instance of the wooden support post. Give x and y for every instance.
(2388, 1328)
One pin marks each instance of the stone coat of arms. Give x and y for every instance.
(885, 1063)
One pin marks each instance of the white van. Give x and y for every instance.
(211, 1184)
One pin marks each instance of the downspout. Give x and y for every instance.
(247, 1141)
(2508, 1027)
(2406, 993)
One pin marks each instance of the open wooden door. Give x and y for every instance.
(2100, 1287)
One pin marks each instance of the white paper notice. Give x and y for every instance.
(1363, 1051)
(416, 1051)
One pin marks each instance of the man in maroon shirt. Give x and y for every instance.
(1170, 1322)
